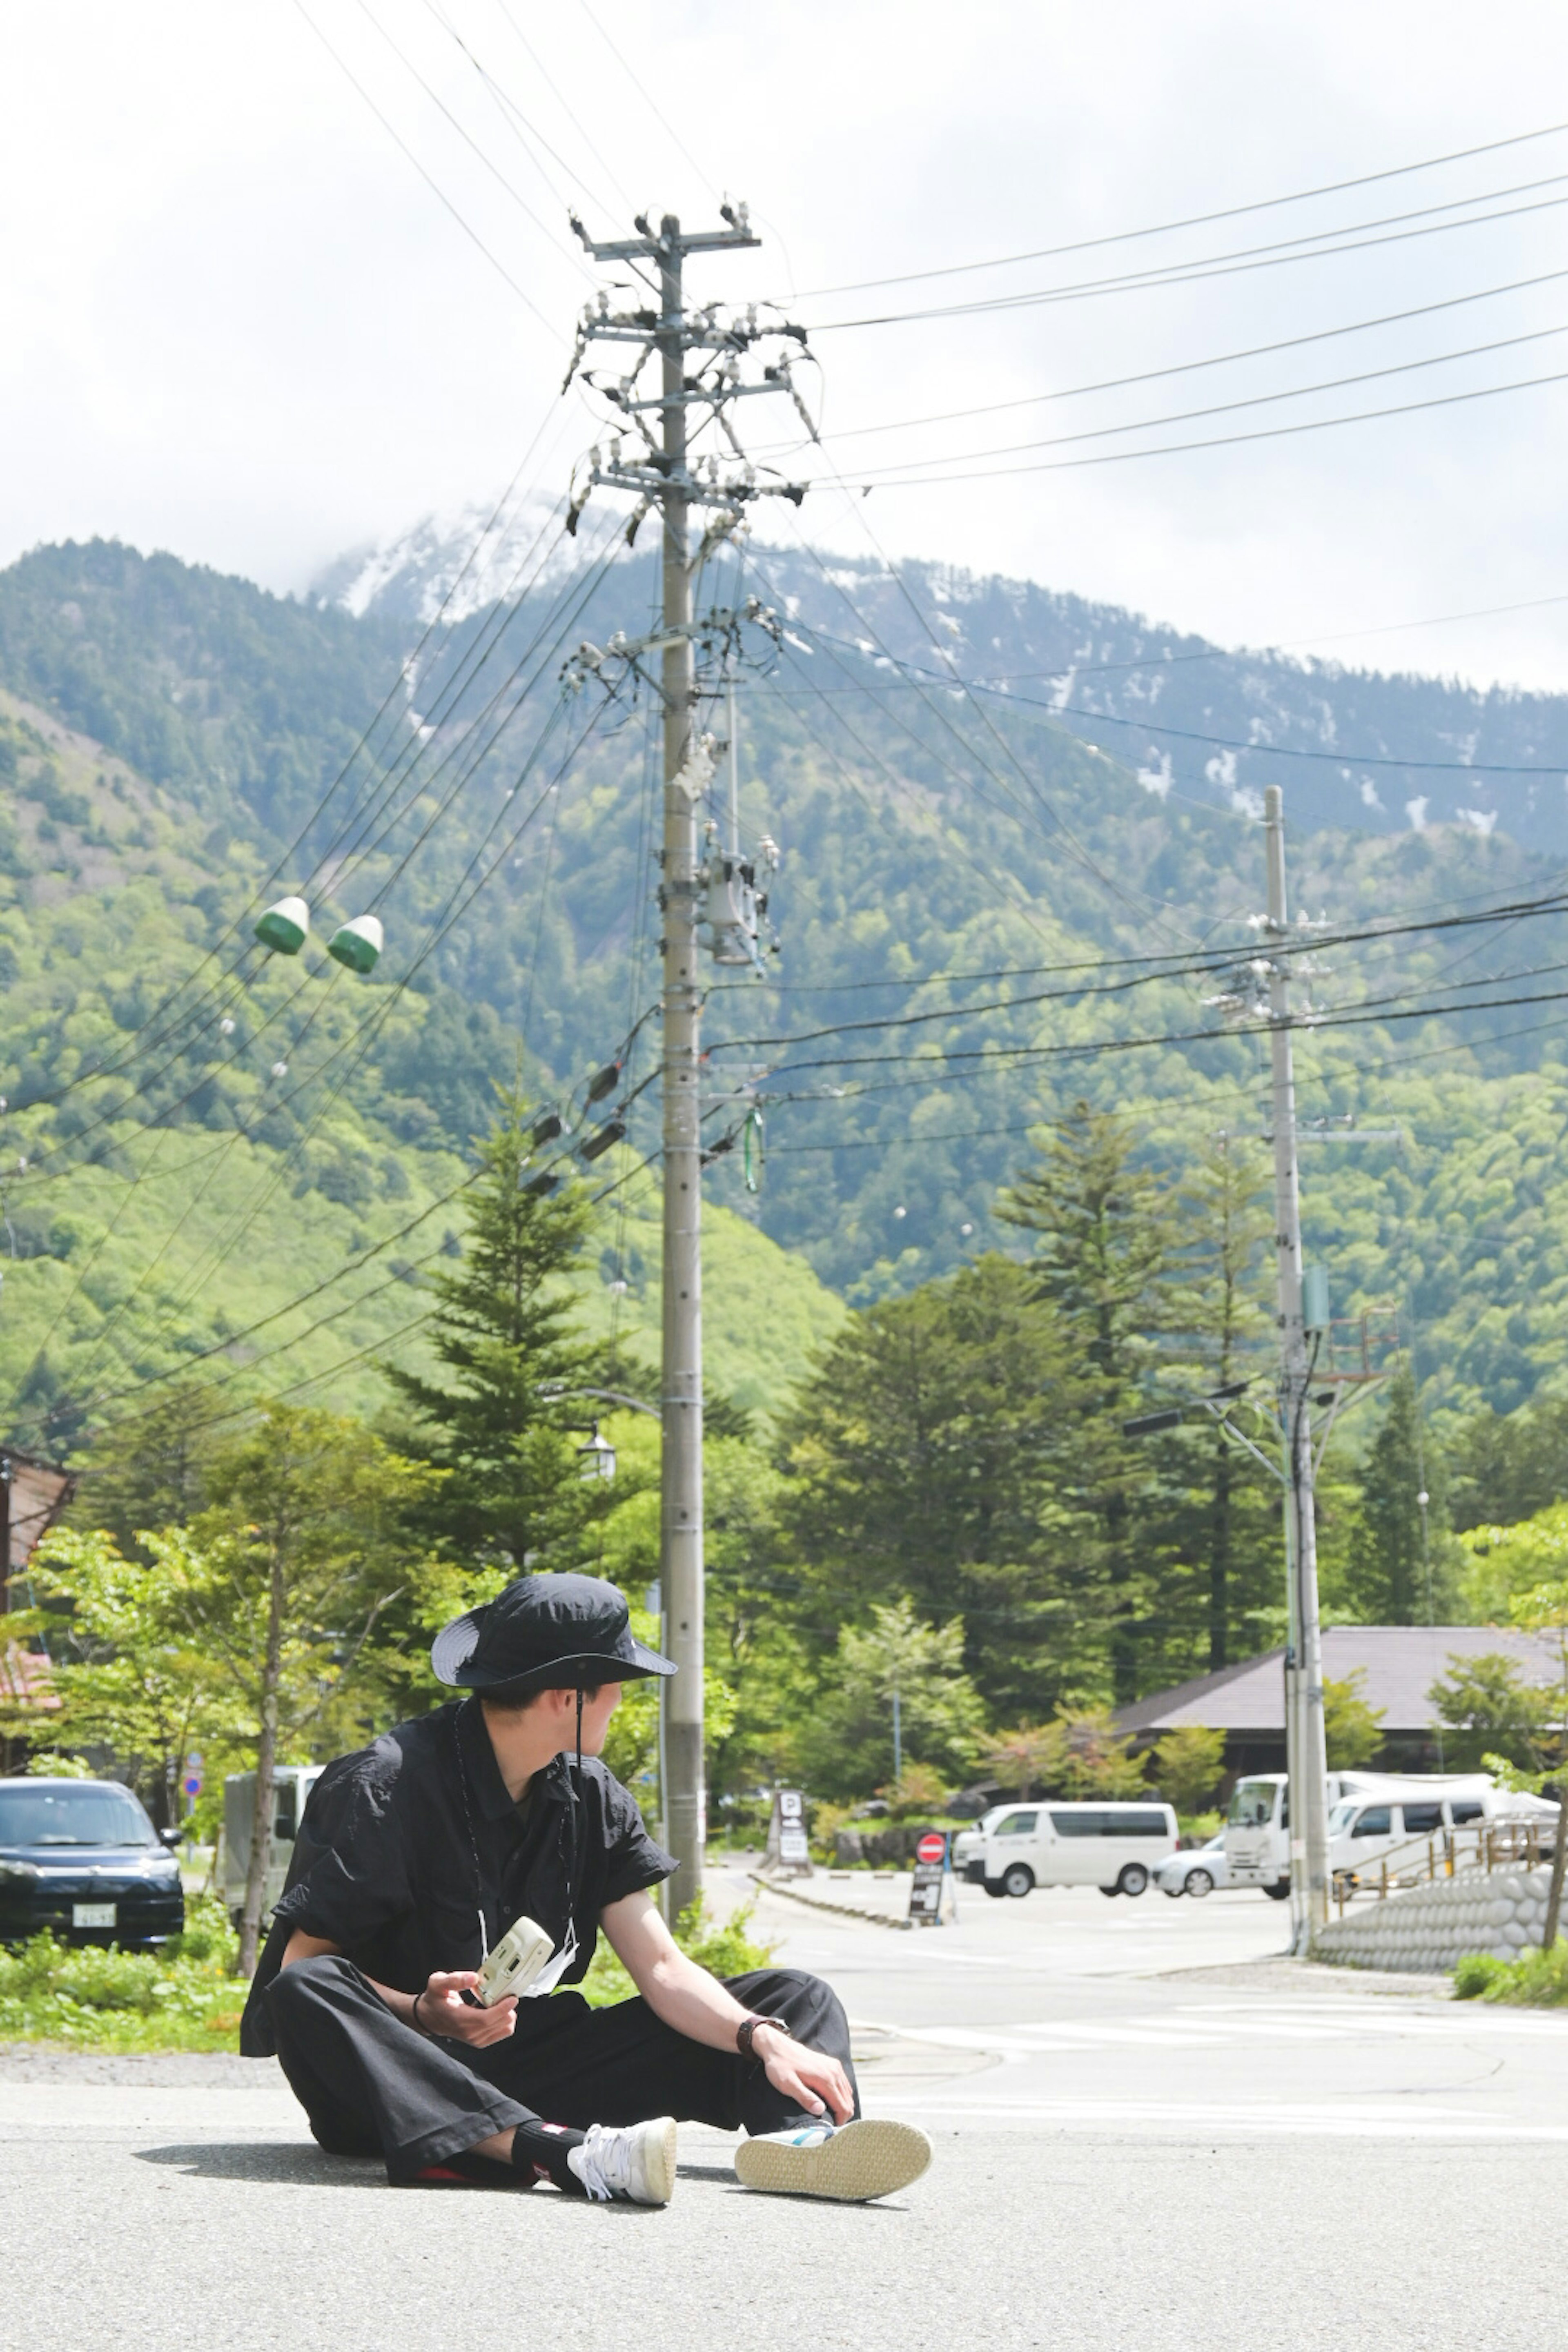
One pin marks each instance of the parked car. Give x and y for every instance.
(1113, 1846)
(1196, 1870)
(82, 1857)
(968, 1850)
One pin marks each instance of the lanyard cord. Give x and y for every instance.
(473, 1841)
(474, 1844)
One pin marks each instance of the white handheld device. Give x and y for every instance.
(512, 1966)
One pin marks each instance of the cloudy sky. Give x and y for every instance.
(242, 321)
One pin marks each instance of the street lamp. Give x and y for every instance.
(597, 1457)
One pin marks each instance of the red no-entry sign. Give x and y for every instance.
(932, 1847)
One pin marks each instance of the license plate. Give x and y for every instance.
(92, 1915)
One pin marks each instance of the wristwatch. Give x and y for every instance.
(745, 2033)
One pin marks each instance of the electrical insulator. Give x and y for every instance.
(597, 1144)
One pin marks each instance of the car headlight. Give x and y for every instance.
(19, 1872)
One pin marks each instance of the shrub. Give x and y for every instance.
(100, 1998)
(1536, 1980)
(1476, 1973)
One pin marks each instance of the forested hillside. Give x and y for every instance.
(952, 867)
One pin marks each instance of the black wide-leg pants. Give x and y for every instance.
(371, 2086)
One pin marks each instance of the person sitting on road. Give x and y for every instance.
(417, 1853)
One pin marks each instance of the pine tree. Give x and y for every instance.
(1104, 1241)
(1389, 1575)
(505, 1425)
(1233, 1514)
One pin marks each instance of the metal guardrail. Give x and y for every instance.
(1489, 1846)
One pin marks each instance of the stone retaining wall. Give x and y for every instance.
(1428, 1928)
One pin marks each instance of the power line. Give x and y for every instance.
(1225, 264)
(430, 181)
(1194, 220)
(1219, 441)
(464, 133)
(1190, 367)
(1145, 726)
(1227, 407)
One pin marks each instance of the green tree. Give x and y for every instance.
(1030, 1754)
(931, 1454)
(130, 1674)
(1507, 1468)
(1187, 1764)
(282, 1579)
(1097, 1760)
(1352, 1731)
(845, 1743)
(1393, 1580)
(505, 1426)
(146, 1471)
(1104, 1240)
(1489, 1708)
(1229, 1518)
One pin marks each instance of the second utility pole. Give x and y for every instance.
(1306, 1751)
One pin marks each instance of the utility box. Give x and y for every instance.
(1315, 1297)
(292, 1784)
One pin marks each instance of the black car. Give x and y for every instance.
(82, 1857)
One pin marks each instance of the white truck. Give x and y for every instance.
(292, 1784)
(1257, 1828)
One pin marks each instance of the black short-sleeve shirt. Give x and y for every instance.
(407, 1845)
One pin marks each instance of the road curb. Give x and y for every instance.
(834, 1910)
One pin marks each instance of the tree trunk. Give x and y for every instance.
(265, 1766)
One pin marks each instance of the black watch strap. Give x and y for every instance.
(745, 2035)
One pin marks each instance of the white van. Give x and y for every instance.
(1363, 1829)
(1257, 1828)
(1113, 1846)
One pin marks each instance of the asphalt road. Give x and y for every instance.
(1150, 2131)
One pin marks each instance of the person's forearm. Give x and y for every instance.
(695, 2004)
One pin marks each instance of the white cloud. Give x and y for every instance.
(1416, 811)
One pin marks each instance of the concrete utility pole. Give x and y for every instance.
(681, 1521)
(1306, 1754)
(698, 355)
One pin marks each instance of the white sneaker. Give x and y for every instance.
(634, 2164)
(849, 2161)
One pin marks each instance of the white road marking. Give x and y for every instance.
(1195, 2119)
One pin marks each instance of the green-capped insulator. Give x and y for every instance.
(285, 926)
(358, 944)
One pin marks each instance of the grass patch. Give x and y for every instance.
(1536, 1980)
(184, 1998)
(86, 1997)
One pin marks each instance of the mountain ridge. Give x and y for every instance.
(502, 831)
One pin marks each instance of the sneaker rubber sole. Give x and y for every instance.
(861, 2161)
(657, 2153)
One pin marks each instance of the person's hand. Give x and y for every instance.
(816, 2082)
(442, 2009)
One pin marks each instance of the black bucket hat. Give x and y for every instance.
(545, 1632)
